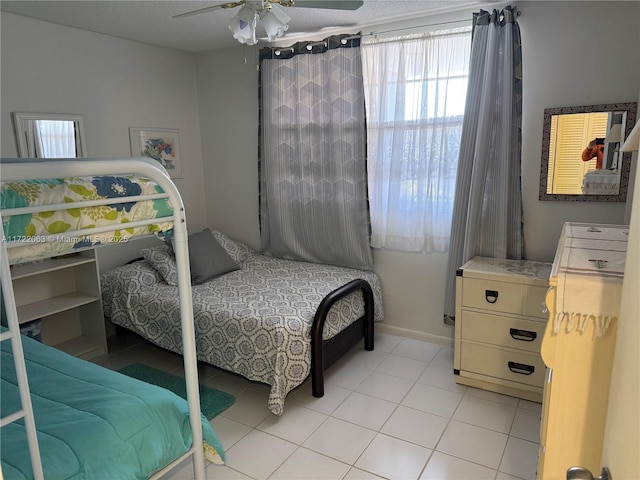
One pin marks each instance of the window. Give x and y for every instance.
(415, 90)
(57, 138)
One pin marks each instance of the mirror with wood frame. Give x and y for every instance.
(580, 153)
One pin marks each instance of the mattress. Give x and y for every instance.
(56, 230)
(255, 321)
(92, 422)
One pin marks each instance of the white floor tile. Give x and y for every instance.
(250, 408)
(364, 410)
(333, 396)
(402, 367)
(384, 386)
(444, 358)
(362, 359)
(296, 424)
(527, 405)
(306, 464)
(385, 342)
(506, 476)
(229, 431)
(341, 440)
(493, 396)
(441, 377)
(393, 458)
(475, 444)
(382, 414)
(446, 467)
(526, 425)
(520, 458)
(357, 474)
(222, 472)
(259, 454)
(345, 376)
(415, 426)
(485, 413)
(416, 349)
(432, 400)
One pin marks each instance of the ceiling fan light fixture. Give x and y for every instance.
(274, 21)
(243, 25)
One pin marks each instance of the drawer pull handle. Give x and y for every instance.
(491, 296)
(521, 368)
(522, 335)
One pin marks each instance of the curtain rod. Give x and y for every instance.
(375, 34)
(371, 34)
(344, 40)
(415, 26)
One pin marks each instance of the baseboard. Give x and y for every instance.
(415, 334)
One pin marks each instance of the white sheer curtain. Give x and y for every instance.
(415, 89)
(56, 139)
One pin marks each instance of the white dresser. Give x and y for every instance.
(500, 321)
(578, 345)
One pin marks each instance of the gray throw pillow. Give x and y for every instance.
(162, 259)
(238, 251)
(207, 258)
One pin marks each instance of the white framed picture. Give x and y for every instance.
(161, 144)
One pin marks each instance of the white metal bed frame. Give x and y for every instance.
(37, 169)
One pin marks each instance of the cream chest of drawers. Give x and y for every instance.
(578, 346)
(500, 321)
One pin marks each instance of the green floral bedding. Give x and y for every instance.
(50, 233)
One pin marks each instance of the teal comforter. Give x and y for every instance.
(93, 423)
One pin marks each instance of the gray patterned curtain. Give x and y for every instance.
(313, 179)
(487, 213)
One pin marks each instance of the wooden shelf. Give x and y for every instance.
(51, 306)
(49, 265)
(64, 294)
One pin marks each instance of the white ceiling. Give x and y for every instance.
(150, 21)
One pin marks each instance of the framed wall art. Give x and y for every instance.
(162, 145)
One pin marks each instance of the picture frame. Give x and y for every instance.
(161, 144)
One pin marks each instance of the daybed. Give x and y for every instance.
(54, 207)
(261, 320)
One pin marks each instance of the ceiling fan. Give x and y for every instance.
(270, 14)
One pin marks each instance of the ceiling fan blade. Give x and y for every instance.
(331, 4)
(209, 9)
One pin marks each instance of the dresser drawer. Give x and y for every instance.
(492, 295)
(502, 331)
(535, 304)
(515, 366)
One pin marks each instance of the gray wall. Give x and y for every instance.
(564, 64)
(212, 98)
(115, 84)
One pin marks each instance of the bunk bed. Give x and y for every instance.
(55, 405)
(271, 320)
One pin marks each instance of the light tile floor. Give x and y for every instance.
(393, 413)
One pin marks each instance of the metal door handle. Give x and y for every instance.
(581, 473)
